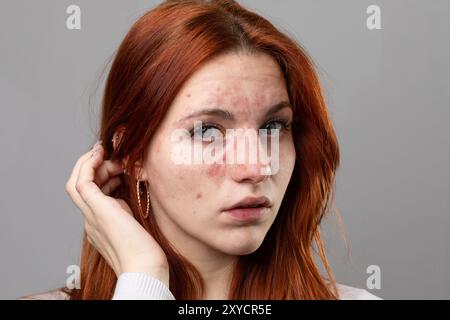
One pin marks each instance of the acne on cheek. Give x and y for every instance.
(213, 170)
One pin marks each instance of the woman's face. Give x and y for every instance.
(189, 200)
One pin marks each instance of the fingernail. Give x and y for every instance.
(99, 142)
(95, 148)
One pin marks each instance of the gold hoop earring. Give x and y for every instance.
(138, 191)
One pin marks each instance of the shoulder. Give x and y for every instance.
(352, 293)
(55, 294)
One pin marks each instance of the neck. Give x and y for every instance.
(215, 267)
(216, 272)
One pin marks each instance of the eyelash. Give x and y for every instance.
(285, 125)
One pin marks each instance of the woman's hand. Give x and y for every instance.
(109, 222)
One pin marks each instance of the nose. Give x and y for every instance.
(251, 173)
(254, 166)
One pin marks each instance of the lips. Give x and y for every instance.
(249, 208)
(249, 202)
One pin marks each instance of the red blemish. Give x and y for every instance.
(199, 195)
(213, 170)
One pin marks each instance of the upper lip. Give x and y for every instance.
(252, 201)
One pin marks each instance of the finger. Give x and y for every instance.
(76, 169)
(70, 184)
(89, 191)
(111, 185)
(106, 171)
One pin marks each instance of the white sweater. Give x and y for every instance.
(140, 286)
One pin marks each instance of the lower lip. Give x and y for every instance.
(246, 214)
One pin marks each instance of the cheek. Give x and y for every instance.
(287, 158)
(183, 183)
(196, 182)
(214, 170)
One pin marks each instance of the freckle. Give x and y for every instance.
(199, 195)
(188, 95)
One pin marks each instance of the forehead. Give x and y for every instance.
(232, 82)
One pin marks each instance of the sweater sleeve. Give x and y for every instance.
(140, 286)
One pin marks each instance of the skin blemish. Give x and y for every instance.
(213, 170)
(188, 95)
(199, 195)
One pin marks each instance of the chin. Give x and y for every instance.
(240, 245)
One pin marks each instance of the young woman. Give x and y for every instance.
(157, 228)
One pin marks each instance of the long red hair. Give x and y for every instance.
(159, 53)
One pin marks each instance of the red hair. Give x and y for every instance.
(159, 53)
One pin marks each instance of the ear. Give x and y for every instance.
(140, 172)
(117, 138)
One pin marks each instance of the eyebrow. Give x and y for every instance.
(227, 115)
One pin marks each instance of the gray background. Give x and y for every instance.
(387, 92)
